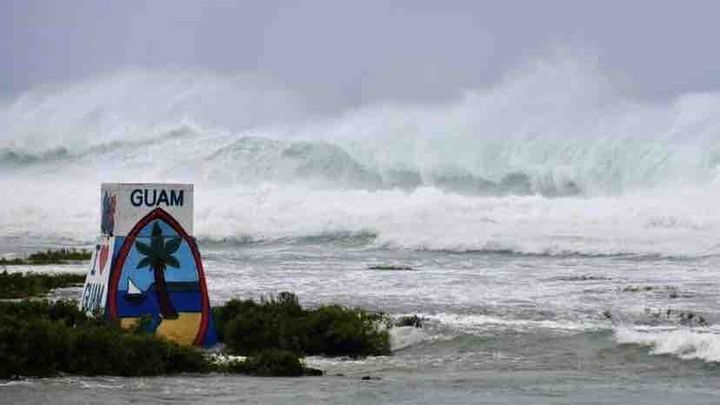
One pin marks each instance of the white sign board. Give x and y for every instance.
(95, 290)
(124, 204)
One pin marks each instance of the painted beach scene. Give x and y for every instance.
(381, 202)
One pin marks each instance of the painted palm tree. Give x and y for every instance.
(158, 256)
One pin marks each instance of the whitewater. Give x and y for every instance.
(560, 237)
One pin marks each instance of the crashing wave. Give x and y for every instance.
(686, 344)
(557, 128)
(469, 174)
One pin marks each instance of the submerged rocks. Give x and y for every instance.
(671, 291)
(391, 267)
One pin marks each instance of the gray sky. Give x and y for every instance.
(345, 53)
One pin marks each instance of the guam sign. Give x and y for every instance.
(147, 266)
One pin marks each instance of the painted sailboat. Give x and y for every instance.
(134, 294)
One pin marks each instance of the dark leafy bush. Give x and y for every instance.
(410, 320)
(66, 312)
(279, 363)
(42, 338)
(45, 339)
(247, 327)
(21, 285)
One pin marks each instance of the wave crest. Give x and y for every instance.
(555, 128)
(685, 344)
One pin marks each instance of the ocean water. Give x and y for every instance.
(560, 239)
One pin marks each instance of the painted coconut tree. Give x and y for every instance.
(158, 256)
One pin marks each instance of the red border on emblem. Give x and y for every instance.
(159, 213)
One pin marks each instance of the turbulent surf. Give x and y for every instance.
(550, 160)
(547, 211)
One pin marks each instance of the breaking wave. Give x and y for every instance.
(551, 160)
(685, 344)
(557, 127)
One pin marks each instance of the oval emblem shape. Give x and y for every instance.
(158, 281)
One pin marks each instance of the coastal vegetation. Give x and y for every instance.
(248, 327)
(409, 320)
(60, 256)
(22, 285)
(44, 338)
(40, 338)
(270, 363)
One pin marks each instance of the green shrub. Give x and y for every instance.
(279, 363)
(43, 339)
(66, 312)
(60, 256)
(22, 285)
(410, 320)
(247, 327)
(38, 338)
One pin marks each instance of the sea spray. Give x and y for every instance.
(551, 160)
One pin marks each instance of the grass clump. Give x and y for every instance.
(247, 327)
(59, 256)
(22, 285)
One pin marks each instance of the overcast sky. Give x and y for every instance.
(355, 52)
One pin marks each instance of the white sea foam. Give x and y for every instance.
(684, 343)
(402, 337)
(134, 105)
(668, 223)
(480, 172)
(474, 323)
